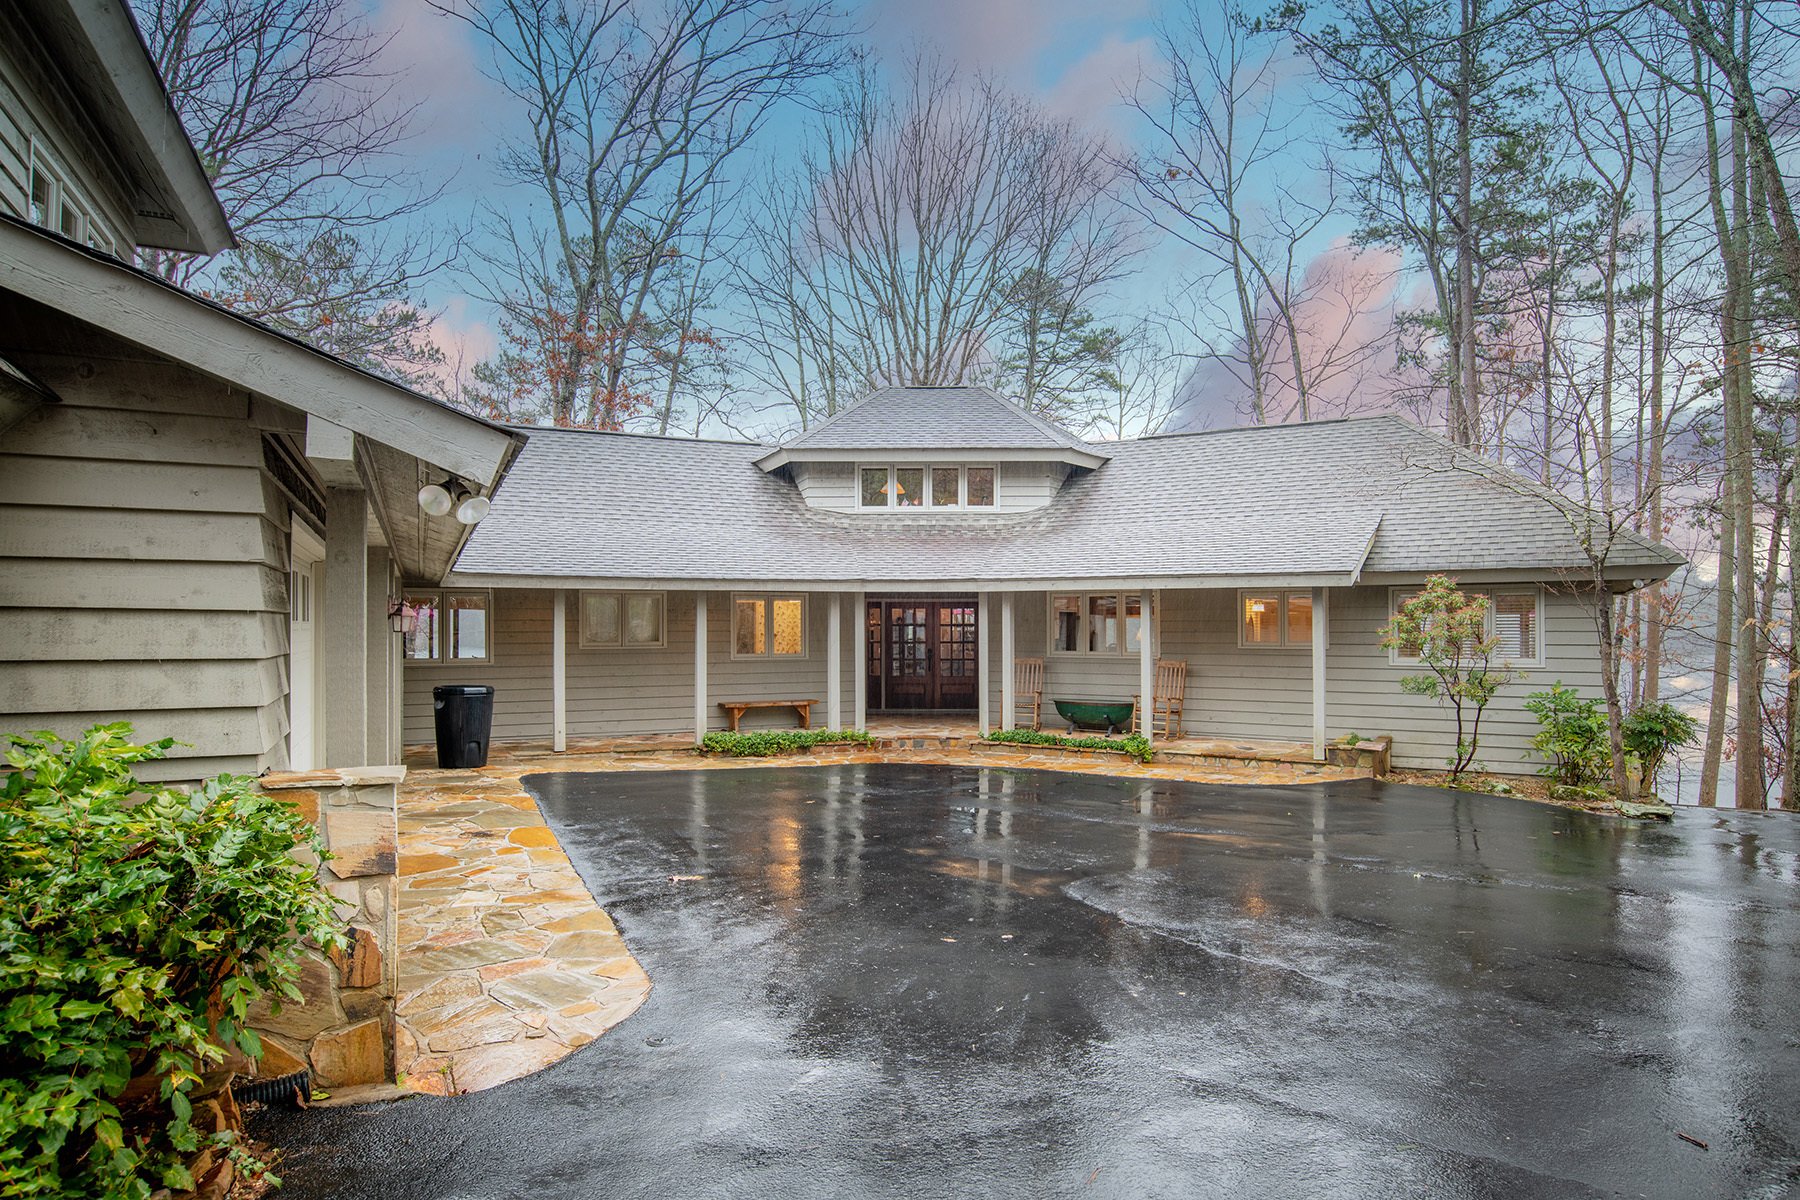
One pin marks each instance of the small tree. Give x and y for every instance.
(1652, 732)
(1448, 632)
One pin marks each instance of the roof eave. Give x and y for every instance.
(874, 585)
(163, 318)
(783, 456)
(134, 109)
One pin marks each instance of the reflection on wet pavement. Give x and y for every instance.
(932, 981)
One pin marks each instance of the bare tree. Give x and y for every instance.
(633, 111)
(1148, 370)
(1226, 119)
(291, 111)
(947, 231)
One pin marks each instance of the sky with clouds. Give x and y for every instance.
(1078, 58)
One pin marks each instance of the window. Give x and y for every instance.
(768, 627)
(946, 487)
(1515, 618)
(1097, 623)
(874, 487)
(925, 487)
(909, 487)
(1103, 624)
(54, 205)
(1273, 619)
(450, 627)
(980, 487)
(1065, 623)
(610, 620)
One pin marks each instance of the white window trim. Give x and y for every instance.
(769, 655)
(582, 642)
(439, 595)
(1398, 592)
(1281, 619)
(1081, 634)
(927, 505)
(89, 233)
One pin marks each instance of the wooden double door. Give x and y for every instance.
(922, 654)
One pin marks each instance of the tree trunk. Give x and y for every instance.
(1751, 788)
(1605, 608)
(1463, 422)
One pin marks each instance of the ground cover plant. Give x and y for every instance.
(138, 922)
(1134, 744)
(780, 741)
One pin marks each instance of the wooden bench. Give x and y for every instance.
(735, 709)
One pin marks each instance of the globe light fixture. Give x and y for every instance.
(436, 499)
(472, 509)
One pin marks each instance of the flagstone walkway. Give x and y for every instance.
(508, 964)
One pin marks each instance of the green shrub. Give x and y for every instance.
(1652, 733)
(780, 741)
(138, 922)
(1134, 744)
(1571, 736)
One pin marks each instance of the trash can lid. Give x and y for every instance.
(461, 689)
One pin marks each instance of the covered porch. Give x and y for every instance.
(573, 676)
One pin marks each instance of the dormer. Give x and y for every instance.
(90, 145)
(931, 451)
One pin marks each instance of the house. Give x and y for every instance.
(899, 558)
(203, 524)
(213, 530)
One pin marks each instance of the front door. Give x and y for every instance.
(922, 654)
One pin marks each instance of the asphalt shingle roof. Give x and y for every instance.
(1334, 498)
(936, 418)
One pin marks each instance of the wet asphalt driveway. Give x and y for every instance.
(900, 980)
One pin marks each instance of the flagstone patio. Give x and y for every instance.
(508, 964)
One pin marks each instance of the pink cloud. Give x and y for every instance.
(436, 68)
(464, 339)
(1093, 88)
(1007, 37)
(1345, 319)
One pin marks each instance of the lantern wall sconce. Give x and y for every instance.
(402, 617)
(451, 496)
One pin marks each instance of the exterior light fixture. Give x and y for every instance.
(472, 509)
(402, 617)
(437, 498)
(450, 496)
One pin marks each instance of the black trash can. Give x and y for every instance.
(465, 717)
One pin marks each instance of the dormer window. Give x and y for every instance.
(925, 487)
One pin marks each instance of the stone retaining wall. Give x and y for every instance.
(345, 1028)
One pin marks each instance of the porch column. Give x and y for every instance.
(1007, 699)
(1146, 668)
(377, 744)
(859, 682)
(834, 660)
(700, 713)
(559, 670)
(1321, 618)
(343, 651)
(983, 669)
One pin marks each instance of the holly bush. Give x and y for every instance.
(138, 922)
